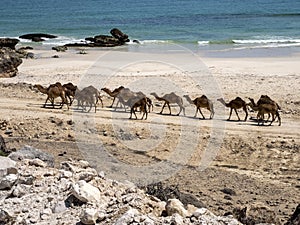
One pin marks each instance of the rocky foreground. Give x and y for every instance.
(34, 192)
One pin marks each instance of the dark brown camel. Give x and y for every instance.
(235, 104)
(202, 102)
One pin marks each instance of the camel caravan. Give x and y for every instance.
(89, 97)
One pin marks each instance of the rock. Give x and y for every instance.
(228, 191)
(128, 217)
(59, 207)
(37, 36)
(8, 181)
(116, 33)
(295, 218)
(60, 48)
(106, 41)
(28, 152)
(5, 217)
(7, 166)
(3, 147)
(37, 162)
(85, 192)
(89, 216)
(175, 206)
(9, 62)
(9, 43)
(176, 219)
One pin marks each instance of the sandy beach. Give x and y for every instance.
(259, 163)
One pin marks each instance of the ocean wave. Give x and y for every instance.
(274, 42)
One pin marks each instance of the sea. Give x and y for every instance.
(207, 24)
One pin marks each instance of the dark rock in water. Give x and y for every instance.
(9, 62)
(106, 41)
(8, 42)
(28, 152)
(118, 38)
(116, 33)
(26, 48)
(37, 36)
(295, 218)
(136, 41)
(60, 48)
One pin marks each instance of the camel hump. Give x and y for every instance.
(204, 96)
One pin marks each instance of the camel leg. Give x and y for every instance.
(245, 109)
(237, 114)
(101, 101)
(279, 119)
(112, 102)
(230, 114)
(44, 106)
(163, 108)
(196, 112)
(201, 113)
(170, 108)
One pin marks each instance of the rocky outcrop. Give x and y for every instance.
(9, 62)
(46, 195)
(8, 42)
(118, 38)
(37, 37)
(8, 173)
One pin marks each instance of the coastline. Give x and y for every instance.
(255, 161)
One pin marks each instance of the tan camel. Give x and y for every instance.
(88, 96)
(235, 104)
(202, 102)
(53, 91)
(113, 93)
(170, 98)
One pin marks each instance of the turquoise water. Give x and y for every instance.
(198, 22)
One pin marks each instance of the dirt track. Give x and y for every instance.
(260, 163)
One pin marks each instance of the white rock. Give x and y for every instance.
(8, 181)
(89, 216)
(176, 219)
(7, 166)
(37, 162)
(59, 207)
(175, 206)
(86, 192)
(127, 217)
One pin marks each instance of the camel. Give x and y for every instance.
(235, 104)
(70, 90)
(170, 98)
(265, 105)
(138, 102)
(113, 93)
(268, 108)
(88, 96)
(52, 92)
(201, 102)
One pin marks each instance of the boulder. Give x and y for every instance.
(37, 37)
(28, 152)
(85, 192)
(89, 216)
(8, 42)
(8, 173)
(60, 48)
(9, 62)
(175, 206)
(116, 33)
